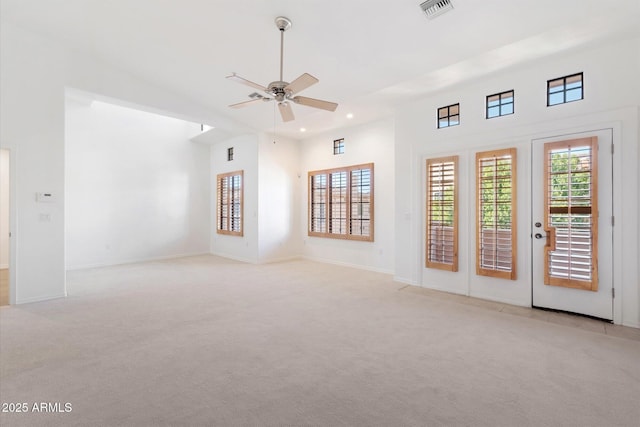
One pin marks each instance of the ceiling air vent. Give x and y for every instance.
(434, 8)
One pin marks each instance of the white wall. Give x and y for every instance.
(245, 158)
(372, 142)
(280, 182)
(32, 116)
(4, 208)
(136, 187)
(611, 100)
(34, 72)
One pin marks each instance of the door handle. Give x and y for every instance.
(551, 238)
(539, 236)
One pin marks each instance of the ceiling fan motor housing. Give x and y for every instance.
(277, 89)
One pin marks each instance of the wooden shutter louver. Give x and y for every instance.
(496, 213)
(442, 213)
(571, 203)
(341, 203)
(229, 197)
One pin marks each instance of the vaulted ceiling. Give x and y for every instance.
(370, 56)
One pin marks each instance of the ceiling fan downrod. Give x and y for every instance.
(283, 25)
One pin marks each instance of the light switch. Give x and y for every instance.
(45, 197)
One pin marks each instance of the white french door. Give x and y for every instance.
(572, 229)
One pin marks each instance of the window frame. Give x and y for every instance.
(565, 90)
(338, 146)
(448, 116)
(227, 229)
(495, 272)
(501, 104)
(327, 205)
(429, 263)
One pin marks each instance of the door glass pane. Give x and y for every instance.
(570, 212)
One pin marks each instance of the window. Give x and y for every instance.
(500, 104)
(338, 146)
(565, 89)
(230, 197)
(496, 213)
(341, 203)
(449, 116)
(229, 154)
(442, 213)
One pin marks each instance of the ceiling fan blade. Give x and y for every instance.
(285, 111)
(245, 103)
(244, 81)
(301, 83)
(315, 103)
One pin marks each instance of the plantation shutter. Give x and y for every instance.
(571, 204)
(496, 213)
(442, 213)
(229, 197)
(341, 203)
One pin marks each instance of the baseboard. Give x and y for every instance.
(631, 324)
(501, 300)
(405, 281)
(134, 261)
(4, 266)
(40, 299)
(233, 257)
(283, 259)
(346, 264)
(441, 289)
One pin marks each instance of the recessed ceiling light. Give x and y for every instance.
(303, 129)
(350, 116)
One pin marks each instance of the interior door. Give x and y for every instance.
(572, 230)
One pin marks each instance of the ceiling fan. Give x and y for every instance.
(283, 92)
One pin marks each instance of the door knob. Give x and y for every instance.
(539, 236)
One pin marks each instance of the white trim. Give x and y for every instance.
(406, 281)
(348, 264)
(134, 261)
(282, 259)
(509, 301)
(447, 290)
(40, 298)
(233, 257)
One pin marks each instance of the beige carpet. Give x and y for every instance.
(208, 341)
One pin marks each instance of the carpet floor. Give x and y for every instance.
(210, 341)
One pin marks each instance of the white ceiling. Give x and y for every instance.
(370, 56)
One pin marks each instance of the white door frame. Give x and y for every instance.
(614, 130)
(12, 223)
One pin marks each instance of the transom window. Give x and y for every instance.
(564, 89)
(230, 195)
(338, 146)
(500, 104)
(449, 116)
(442, 213)
(496, 213)
(341, 203)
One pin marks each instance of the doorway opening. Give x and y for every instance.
(5, 233)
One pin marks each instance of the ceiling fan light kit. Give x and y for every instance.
(280, 90)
